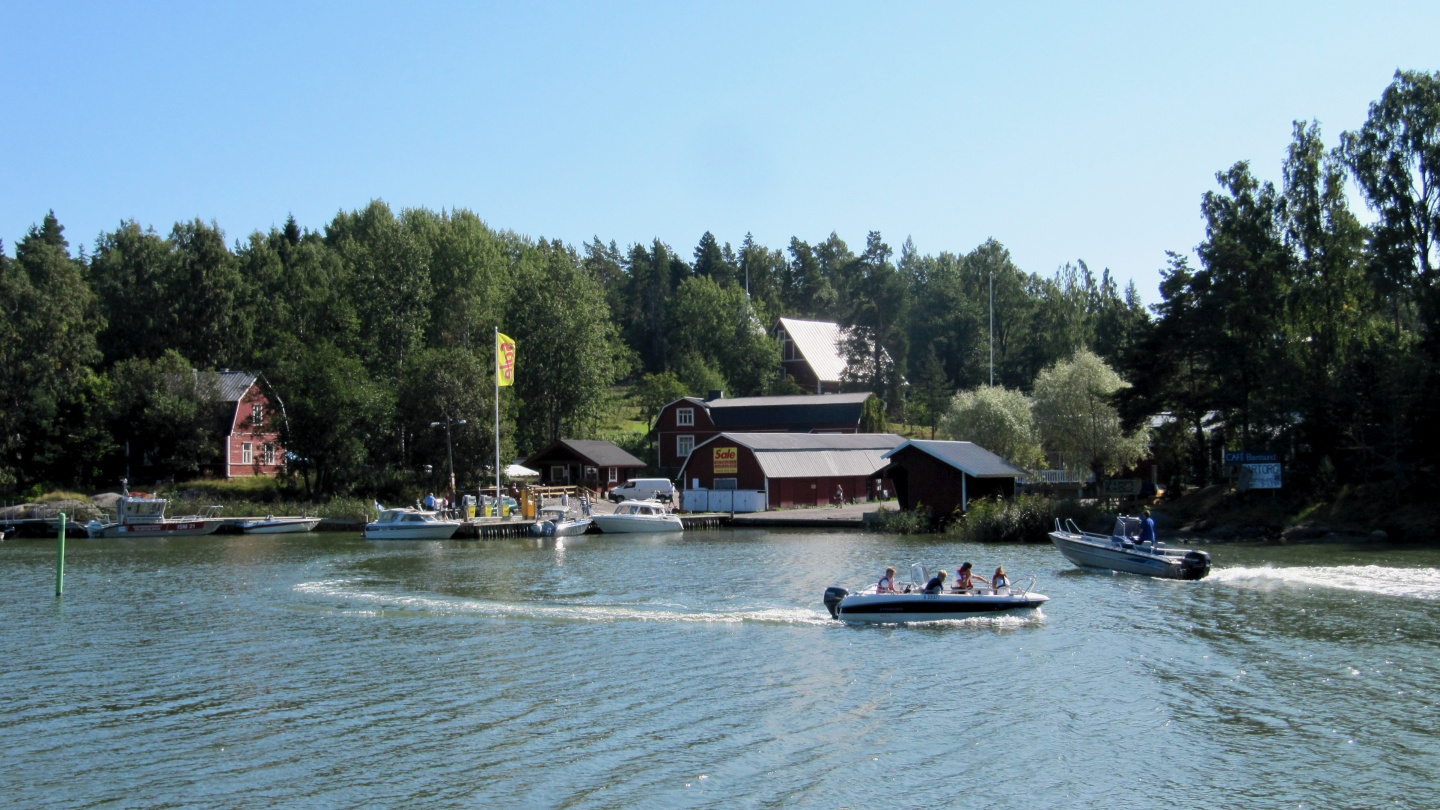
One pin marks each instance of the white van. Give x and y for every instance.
(643, 489)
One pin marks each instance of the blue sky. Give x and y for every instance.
(1065, 132)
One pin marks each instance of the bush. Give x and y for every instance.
(1026, 519)
(914, 522)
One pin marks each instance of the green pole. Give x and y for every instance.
(60, 559)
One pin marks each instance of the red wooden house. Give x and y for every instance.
(686, 423)
(248, 427)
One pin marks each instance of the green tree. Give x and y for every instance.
(49, 394)
(164, 412)
(998, 419)
(132, 273)
(1074, 412)
(930, 396)
(655, 391)
(212, 317)
(336, 417)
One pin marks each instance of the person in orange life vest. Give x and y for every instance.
(966, 581)
(887, 582)
(999, 580)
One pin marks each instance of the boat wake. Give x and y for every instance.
(1413, 583)
(363, 602)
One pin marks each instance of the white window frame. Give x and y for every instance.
(685, 417)
(559, 472)
(681, 449)
(614, 474)
(247, 455)
(257, 414)
(267, 454)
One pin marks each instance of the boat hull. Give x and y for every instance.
(432, 531)
(280, 526)
(170, 528)
(635, 524)
(565, 528)
(914, 607)
(1173, 564)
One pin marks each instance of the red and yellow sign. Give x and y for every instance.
(505, 359)
(727, 460)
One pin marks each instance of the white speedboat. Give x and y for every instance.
(636, 517)
(138, 514)
(1120, 552)
(280, 525)
(556, 521)
(910, 605)
(410, 524)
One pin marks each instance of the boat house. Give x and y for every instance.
(686, 423)
(594, 464)
(787, 469)
(945, 476)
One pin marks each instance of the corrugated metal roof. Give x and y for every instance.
(819, 342)
(815, 455)
(799, 411)
(970, 457)
(232, 385)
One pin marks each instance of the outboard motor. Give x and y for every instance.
(833, 595)
(1196, 564)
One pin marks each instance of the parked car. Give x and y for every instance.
(642, 489)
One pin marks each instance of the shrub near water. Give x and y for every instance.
(1026, 519)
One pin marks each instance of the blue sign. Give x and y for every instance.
(1246, 457)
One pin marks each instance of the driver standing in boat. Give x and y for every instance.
(1147, 529)
(936, 585)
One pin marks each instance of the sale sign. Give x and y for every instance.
(727, 460)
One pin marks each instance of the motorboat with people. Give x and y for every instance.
(908, 602)
(279, 525)
(1121, 550)
(636, 517)
(556, 521)
(140, 514)
(409, 523)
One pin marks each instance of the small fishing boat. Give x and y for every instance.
(138, 514)
(1120, 552)
(556, 521)
(410, 524)
(635, 517)
(281, 525)
(910, 605)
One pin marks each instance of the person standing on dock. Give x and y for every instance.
(839, 496)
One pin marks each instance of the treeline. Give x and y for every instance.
(1301, 330)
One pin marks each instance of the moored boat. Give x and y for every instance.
(138, 514)
(1120, 552)
(910, 605)
(281, 525)
(410, 524)
(556, 521)
(637, 517)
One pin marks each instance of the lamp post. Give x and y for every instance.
(449, 449)
(992, 328)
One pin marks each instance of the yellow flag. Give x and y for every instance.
(505, 359)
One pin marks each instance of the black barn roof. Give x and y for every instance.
(597, 452)
(799, 411)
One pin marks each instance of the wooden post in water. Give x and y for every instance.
(60, 559)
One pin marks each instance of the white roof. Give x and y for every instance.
(520, 471)
(813, 455)
(819, 342)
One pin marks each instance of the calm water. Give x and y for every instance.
(701, 671)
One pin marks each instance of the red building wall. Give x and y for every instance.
(244, 430)
(668, 431)
(921, 480)
(781, 493)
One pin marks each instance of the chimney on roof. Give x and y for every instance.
(715, 394)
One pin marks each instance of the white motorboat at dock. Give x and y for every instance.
(138, 514)
(1120, 552)
(279, 525)
(410, 524)
(556, 521)
(910, 604)
(632, 517)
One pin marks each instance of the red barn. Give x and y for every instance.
(687, 423)
(247, 425)
(945, 476)
(792, 469)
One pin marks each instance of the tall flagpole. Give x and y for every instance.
(497, 420)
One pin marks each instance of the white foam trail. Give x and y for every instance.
(401, 603)
(1414, 583)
